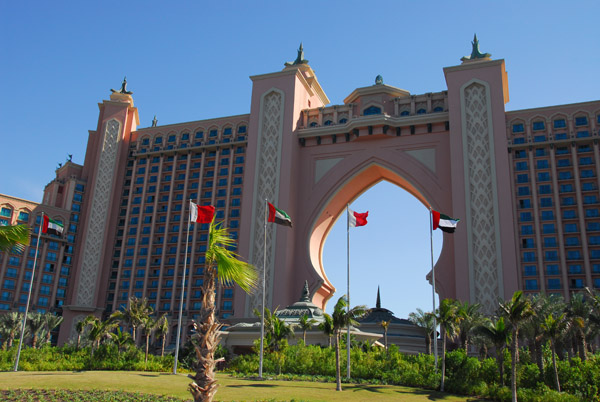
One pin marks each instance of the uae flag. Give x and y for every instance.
(278, 216)
(444, 222)
(357, 218)
(52, 227)
(201, 214)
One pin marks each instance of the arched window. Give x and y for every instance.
(372, 110)
(313, 124)
(404, 113)
(421, 111)
(438, 109)
(343, 121)
(328, 123)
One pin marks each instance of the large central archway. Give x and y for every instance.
(355, 183)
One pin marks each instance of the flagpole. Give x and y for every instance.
(29, 295)
(262, 313)
(348, 290)
(187, 240)
(435, 347)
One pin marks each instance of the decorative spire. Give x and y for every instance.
(154, 121)
(379, 80)
(305, 293)
(299, 59)
(378, 302)
(123, 89)
(475, 53)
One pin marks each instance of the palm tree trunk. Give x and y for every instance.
(385, 339)
(443, 357)
(338, 376)
(133, 336)
(34, 341)
(304, 337)
(162, 348)
(78, 341)
(582, 345)
(147, 346)
(205, 385)
(513, 364)
(539, 358)
(554, 365)
(428, 343)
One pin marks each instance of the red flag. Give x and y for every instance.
(357, 218)
(201, 214)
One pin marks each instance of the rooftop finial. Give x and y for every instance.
(305, 293)
(299, 59)
(123, 89)
(378, 302)
(475, 53)
(379, 80)
(154, 121)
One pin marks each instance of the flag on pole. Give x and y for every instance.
(201, 214)
(278, 216)
(444, 222)
(52, 227)
(357, 218)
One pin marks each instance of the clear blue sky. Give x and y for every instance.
(191, 60)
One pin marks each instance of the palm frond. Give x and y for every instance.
(14, 238)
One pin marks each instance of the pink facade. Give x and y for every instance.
(505, 174)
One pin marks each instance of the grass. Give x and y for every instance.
(231, 389)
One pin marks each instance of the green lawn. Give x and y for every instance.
(231, 389)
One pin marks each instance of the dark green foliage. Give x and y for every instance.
(66, 358)
(464, 375)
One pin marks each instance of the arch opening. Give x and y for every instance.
(392, 201)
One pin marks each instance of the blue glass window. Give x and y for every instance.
(546, 202)
(529, 256)
(569, 214)
(560, 123)
(552, 269)
(549, 241)
(404, 113)
(553, 283)
(521, 166)
(372, 110)
(539, 138)
(583, 134)
(531, 284)
(538, 125)
(565, 175)
(560, 136)
(542, 164)
(519, 140)
(548, 228)
(523, 191)
(592, 213)
(525, 217)
(545, 189)
(518, 128)
(551, 255)
(530, 270)
(526, 230)
(523, 178)
(581, 121)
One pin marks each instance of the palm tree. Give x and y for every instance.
(10, 323)
(14, 238)
(553, 329)
(542, 306)
(449, 318)
(121, 339)
(327, 327)
(305, 324)
(80, 327)
(516, 311)
(578, 313)
(472, 317)
(134, 315)
(99, 330)
(341, 319)
(385, 324)
(424, 320)
(52, 321)
(499, 334)
(162, 329)
(221, 265)
(36, 324)
(150, 324)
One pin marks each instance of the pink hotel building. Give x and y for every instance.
(525, 183)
